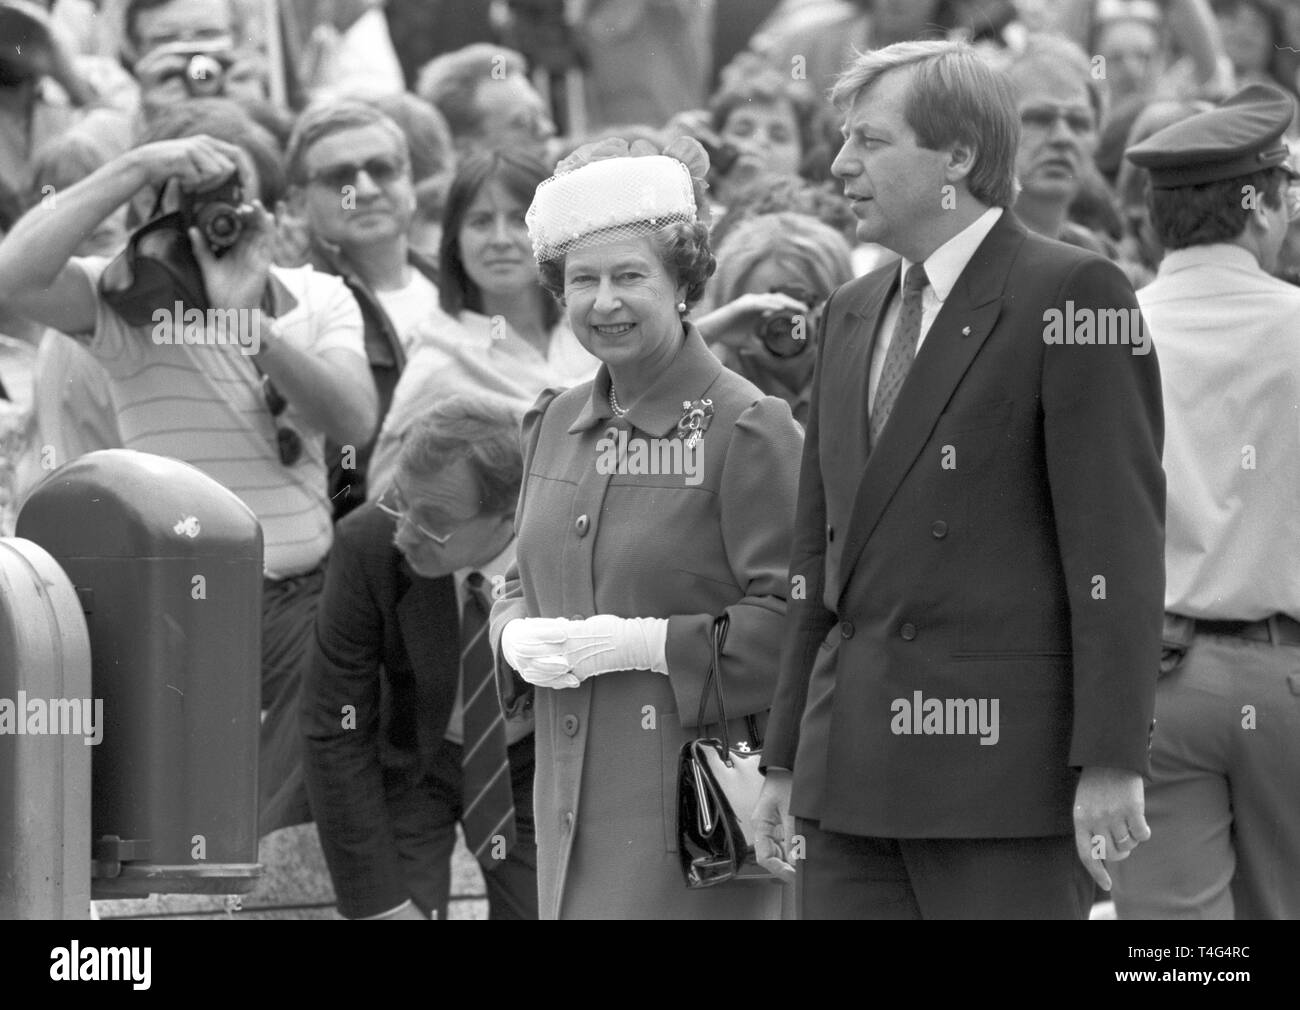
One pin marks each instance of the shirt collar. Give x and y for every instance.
(945, 264)
(688, 377)
(1218, 254)
(491, 569)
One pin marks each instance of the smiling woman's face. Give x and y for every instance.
(622, 303)
(494, 244)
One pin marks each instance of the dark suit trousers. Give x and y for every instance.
(423, 819)
(851, 877)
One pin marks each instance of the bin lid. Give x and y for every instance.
(119, 503)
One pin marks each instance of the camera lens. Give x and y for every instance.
(220, 225)
(203, 76)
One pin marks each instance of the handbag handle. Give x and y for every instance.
(718, 635)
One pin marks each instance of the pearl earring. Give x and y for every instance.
(681, 307)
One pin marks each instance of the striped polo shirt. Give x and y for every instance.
(203, 404)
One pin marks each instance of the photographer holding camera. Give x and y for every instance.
(251, 408)
(775, 272)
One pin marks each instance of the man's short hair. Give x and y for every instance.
(955, 97)
(226, 120)
(1214, 211)
(327, 118)
(480, 427)
(450, 82)
(1056, 51)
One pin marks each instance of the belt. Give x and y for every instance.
(1278, 629)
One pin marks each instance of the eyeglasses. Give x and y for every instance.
(288, 441)
(392, 503)
(1044, 117)
(382, 170)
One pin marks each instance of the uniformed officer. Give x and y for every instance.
(1225, 755)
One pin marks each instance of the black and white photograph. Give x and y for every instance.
(687, 460)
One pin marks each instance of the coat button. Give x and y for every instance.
(582, 524)
(908, 631)
(569, 724)
(830, 533)
(939, 529)
(846, 629)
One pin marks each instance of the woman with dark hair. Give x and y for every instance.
(501, 331)
(605, 627)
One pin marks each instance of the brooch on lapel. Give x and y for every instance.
(696, 415)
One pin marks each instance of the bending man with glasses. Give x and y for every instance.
(404, 730)
(247, 392)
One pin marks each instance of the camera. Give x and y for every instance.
(787, 333)
(217, 213)
(204, 70)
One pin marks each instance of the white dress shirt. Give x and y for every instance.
(942, 267)
(1228, 338)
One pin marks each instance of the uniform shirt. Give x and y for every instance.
(942, 268)
(1227, 336)
(520, 724)
(203, 404)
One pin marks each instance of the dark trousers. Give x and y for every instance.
(288, 622)
(424, 817)
(851, 877)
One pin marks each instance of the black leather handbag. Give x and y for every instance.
(717, 787)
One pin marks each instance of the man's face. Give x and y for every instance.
(1131, 50)
(446, 505)
(1058, 132)
(512, 115)
(183, 21)
(894, 186)
(359, 190)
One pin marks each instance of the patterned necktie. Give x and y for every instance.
(902, 350)
(489, 809)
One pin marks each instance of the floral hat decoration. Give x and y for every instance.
(610, 190)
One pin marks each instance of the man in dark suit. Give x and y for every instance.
(404, 730)
(962, 719)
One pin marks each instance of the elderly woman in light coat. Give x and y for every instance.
(606, 621)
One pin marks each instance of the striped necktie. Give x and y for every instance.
(902, 350)
(488, 814)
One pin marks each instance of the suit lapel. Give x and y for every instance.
(865, 319)
(951, 344)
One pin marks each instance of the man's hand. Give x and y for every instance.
(199, 162)
(1109, 820)
(238, 279)
(773, 825)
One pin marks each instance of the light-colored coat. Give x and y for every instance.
(641, 545)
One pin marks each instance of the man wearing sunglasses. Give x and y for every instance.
(1225, 754)
(350, 182)
(403, 727)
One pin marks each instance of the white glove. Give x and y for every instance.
(555, 652)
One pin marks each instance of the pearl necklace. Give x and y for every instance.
(613, 403)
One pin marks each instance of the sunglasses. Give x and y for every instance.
(392, 503)
(381, 170)
(288, 441)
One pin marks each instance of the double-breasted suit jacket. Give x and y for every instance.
(593, 540)
(1002, 543)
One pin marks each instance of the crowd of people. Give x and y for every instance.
(818, 249)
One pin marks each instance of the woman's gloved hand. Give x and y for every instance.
(555, 652)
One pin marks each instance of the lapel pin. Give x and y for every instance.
(965, 331)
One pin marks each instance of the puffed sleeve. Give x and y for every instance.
(757, 502)
(516, 693)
